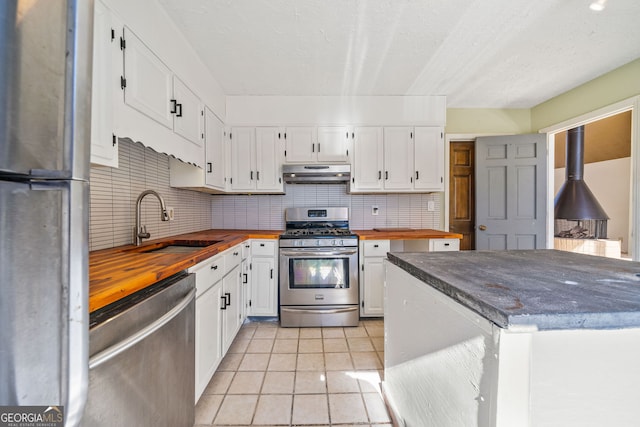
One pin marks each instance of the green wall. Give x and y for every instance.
(617, 85)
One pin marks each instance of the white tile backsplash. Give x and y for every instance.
(114, 192)
(267, 211)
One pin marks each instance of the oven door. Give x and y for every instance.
(318, 276)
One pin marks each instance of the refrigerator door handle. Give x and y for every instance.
(111, 352)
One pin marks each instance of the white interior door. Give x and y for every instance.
(511, 192)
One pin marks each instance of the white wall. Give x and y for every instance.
(610, 182)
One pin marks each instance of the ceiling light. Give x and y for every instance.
(598, 5)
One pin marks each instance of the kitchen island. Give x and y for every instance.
(512, 338)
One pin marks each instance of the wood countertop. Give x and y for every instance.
(404, 234)
(118, 272)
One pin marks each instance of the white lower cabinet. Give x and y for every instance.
(372, 255)
(263, 297)
(219, 302)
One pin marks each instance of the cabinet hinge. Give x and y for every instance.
(113, 34)
(123, 43)
(114, 139)
(123, 82)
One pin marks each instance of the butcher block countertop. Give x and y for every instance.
(404, 234)
(540, 289)
(118, 272)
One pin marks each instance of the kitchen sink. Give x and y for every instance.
(176, 246)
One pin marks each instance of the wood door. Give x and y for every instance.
(511, 192)
(462, 192)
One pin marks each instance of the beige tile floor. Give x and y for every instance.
(275, 376)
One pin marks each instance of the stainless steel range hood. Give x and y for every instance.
(316, 174)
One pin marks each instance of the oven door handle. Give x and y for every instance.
(320, 311)
(316, 252)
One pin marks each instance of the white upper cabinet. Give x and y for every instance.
(333, 144)
(107, 68)
(256, 160)
(147, 82)
(300, 144)
(429, 158)
(151, 89)
(398, 158)
(268, 159)
(367, 166)
(243, 160)
(214, 150)
(186, 108)
(324, 144)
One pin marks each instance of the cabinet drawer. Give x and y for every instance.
(376, 247)
(444, 245)
(232, 257)
(263, 248)
(208, 273)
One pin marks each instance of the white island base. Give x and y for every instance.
(446, 365)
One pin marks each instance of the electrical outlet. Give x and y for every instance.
(374, 210)
(431, 206)
(171, 214)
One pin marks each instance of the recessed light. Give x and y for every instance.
(598, 5)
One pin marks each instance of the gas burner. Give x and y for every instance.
(318, 232)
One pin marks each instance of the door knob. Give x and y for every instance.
(482, 227)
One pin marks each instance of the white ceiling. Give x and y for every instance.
(479, 53)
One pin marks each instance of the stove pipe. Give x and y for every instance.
(575, 201)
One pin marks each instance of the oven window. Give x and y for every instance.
(309, 273)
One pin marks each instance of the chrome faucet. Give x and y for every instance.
(140, 232)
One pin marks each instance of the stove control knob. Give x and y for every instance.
(334, 242)
(318, 242)
(341, 242)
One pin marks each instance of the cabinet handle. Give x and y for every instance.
(313, 148)
(352, 135)
(271, 274)
(245, 279)
(179, 110)
(379, 175)
(209, 167)
(227, 301)
(224, 301)
(347, 135)
(214, 267)
(174, 106)
(235, 254)
(417, 175)
(279, 135)
(386, 174)
(251, 175)
(375, 246)
(258, 175)
(318, 147)
(262, 245)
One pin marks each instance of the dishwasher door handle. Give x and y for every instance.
(133, 339)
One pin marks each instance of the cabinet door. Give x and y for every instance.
(242, 141)
(231, 312)
(207, 336)
(429, 158)
(148, 81)
(107, 69)
(398, 158)
(214, 149)
(300, 145)
(263, 287)
(373, 287)
(268, 159)
(186, 116)
(368, 159)
(332, 144)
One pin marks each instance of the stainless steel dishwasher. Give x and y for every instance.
(142, 358)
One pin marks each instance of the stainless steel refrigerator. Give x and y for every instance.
(45, 109)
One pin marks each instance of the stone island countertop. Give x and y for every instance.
(543, 289)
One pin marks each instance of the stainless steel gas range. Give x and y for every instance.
(318, 269)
